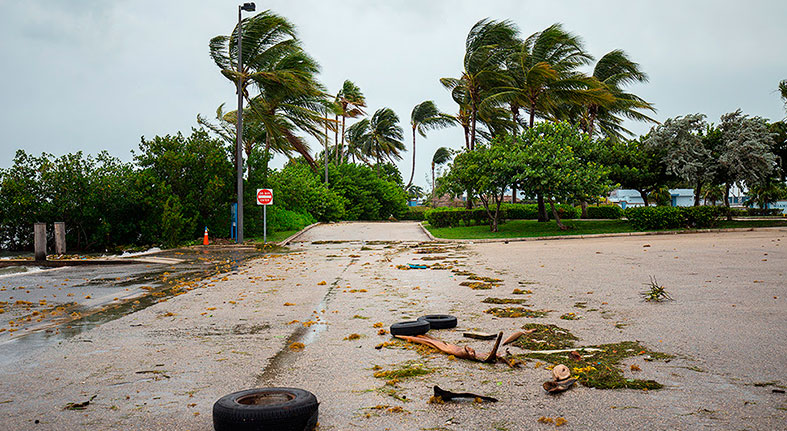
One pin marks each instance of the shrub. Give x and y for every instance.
(445, 217)
(649, 218)
(763, 212)
(520, 211)
(701, 217)
(566, 211)
(605, 212)
(415, 213)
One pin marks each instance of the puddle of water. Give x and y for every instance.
(98, 294)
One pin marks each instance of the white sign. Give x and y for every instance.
(264, 196)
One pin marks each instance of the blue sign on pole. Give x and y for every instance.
(234, 221)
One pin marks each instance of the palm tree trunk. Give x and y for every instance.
(342, 146)
(412, 172)
(336, 141)
(467, 137)
(434, 186)
(532, 114)
(472, 128)
(325, 155)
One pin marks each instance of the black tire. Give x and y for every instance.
(439, 321)
(268, 409)
(412, 327)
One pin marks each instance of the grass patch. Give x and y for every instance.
(601, 369)
(546, 337)
(532, 228)
(515, 312)
(491, 300)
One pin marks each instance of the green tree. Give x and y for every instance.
(744, 154)
(783, 92)
(488, 170)
(686, 148)
(440, 157)
(543, 75)
(637, 166)
(549, 160)
(425, 116)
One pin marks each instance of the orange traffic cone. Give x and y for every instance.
(205, 238)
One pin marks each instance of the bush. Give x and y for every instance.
(520, 211)
(652, 218)
(566, 211)
(281, 220)
(701, 217)
(415, 213)
(445, 217)
(760, 212)
(605, 212)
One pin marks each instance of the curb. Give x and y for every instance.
(428, 234)
(602, 235)
(292, 237)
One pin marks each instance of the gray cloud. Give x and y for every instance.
(93, 75)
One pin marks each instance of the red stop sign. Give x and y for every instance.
(264, 196)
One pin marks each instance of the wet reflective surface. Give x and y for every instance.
(43, 306)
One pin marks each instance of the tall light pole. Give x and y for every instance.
(248, 7)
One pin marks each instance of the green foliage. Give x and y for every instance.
(663, 217)
(520, 211)
(446, 217)
(605, 212)
(367, 196)
(415, 213)
(652, 218)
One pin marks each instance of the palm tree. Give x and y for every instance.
(441, 156)
(350, 103)
(284, 74)
(383, 137)
(486, 48)
(542, 76)
(357, 134)
(425, 116)
(613, 72)
(253, 133)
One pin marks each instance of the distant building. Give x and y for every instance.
(626, 198)
(782, 205)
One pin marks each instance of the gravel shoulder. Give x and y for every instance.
(163, 367)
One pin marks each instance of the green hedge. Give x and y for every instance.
(605, 212)
(452, 217)
(650, 218)
(520, 211)
(415, 213)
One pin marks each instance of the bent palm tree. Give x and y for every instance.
(614, 71)
(383, 138)
(350, 103)
(275, 63)
(486, 48)
(425, 116)
(441, 156)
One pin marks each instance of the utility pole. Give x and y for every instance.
(249, 7)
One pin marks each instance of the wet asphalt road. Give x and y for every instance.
(42, 306)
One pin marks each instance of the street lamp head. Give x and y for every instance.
(249, 7)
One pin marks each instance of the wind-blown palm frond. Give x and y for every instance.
(350, 103)
(783, 91)
(425, 116)
(487, 47)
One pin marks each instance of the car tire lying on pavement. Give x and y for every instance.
(439, 321)
(412, 327)
(270, 409)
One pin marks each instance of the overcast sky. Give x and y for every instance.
(98, 74)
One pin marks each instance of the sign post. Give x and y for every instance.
(265, 198)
